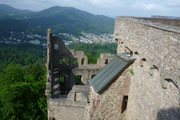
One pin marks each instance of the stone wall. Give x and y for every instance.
(154, 88)
(147, 99)
(68, 71)
(157, 44)
(68, 64)
(72, 107)
(108, 105)
(87, 71)
(165, 21)
(150, 86)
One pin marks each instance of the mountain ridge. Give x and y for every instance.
(60, 19)
(6, 9)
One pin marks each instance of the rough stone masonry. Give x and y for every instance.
(149, 89)
(155, 85)
(67, 89)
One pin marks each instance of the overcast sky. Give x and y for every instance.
(110, 8)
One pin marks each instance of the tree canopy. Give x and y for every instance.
(23, 78)
(22, 92)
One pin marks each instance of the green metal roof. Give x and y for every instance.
(109, 72)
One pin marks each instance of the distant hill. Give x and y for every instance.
(59, 19)
(10, 12)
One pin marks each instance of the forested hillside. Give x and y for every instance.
(22, 92)
(22, 78)
(7, 11)
(60, 19)
(23, 54)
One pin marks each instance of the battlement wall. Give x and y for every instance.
(166, 21)
(155, 84)
(155, 44)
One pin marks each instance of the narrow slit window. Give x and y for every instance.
(124, 104)
(82, 61)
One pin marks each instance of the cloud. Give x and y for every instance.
(173, 4)
(149, 6)
(105, 7)
(91, 3)
(105, 2)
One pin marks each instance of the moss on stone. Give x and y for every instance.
(131, 71)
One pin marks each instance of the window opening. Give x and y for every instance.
(106, 61)
(75, 61)
(78, 79)
(82, 61)
(61, 61)
(62, 79)
(67, 61)
(77, 96)
(93, 76)
(124, 104)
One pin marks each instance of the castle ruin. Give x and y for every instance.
(68, 72)
(141, 82)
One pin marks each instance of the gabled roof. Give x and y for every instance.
(117, 65)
